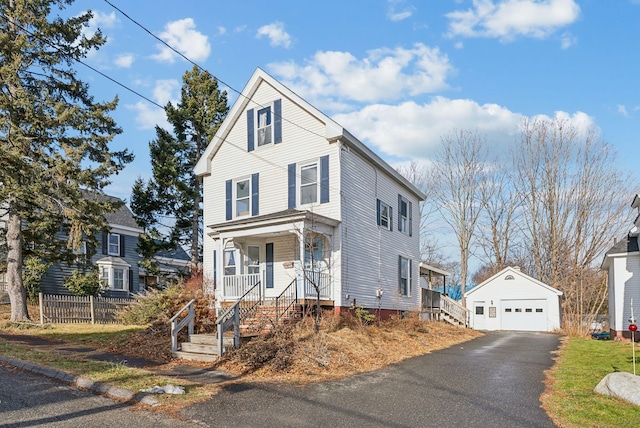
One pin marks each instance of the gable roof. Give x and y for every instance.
(333, 131)
(629, 245)
(515, 271)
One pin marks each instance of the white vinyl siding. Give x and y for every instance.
(370, 254)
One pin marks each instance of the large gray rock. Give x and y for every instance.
(621, 385)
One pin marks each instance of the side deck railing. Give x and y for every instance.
(454, 310)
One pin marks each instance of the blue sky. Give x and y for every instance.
(397, 74)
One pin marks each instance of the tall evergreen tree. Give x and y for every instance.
(174, 191)
(55, 158)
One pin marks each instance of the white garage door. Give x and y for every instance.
(526, 314)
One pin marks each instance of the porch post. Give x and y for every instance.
(300, 273)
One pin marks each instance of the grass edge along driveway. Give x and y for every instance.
(580, 366)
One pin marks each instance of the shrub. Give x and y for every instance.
(159, 306)
(84, 283)
(34, 270)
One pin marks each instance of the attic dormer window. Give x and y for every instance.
(264, 126)
(509, 277)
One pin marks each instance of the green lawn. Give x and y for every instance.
(582, 363)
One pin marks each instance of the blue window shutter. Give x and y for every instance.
(391, 219)
(133, 290)
(410, 278)
(229, 201)
(399, 212)
(378, 211)
(105, 243)
(277, 121)
(121, 245)
(292, 185)
(409, 216)
(269, 265)
(400, 274)
(324, 179)
(250, 130)
(254, 194)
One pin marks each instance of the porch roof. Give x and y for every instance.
(425, 269)
(285, 217)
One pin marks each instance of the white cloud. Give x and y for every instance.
(623, 110)
(385, 74)
(412, 130)
(397, 11)
(124, 60)
(147, 116)
(276, 34)
(567, 40)
(182, 36)
(102, 21)
(507, 19)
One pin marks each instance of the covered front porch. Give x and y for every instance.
(289, 253)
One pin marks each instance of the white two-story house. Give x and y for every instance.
(294, 202)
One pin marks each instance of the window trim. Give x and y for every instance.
(404, 289)
(380, 205)
(225, 266)
(404, 221)
(118, 237)
(306, 165)
(254, 266)
(248, 197)
(270, 125)
(108, 280)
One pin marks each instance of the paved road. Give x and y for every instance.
(493, 381)
(27, 400)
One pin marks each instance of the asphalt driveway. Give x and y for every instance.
(492, 381)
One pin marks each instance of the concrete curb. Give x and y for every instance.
(82, 383)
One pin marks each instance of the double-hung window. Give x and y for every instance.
(384, 215)
(309, 184)
(263, 126)
(404, 276)
(114, 244)
(243, 197)
(404, 215)
(230, 262)
(253, 259)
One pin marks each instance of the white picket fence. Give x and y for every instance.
(77, 310)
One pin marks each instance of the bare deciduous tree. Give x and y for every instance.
(574, 201)
(456, 181)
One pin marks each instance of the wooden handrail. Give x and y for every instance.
(176, 325)
(455, 309)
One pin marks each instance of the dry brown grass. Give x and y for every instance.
(343, 347)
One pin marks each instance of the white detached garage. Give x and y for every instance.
(511, 300)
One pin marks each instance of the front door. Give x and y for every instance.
(269, 265)
(479, 316)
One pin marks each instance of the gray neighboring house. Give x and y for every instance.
(117, 260)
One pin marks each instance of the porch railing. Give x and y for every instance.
(244, 308)
(286, 300)
(455, 310)
(317, 281)
(236, 286)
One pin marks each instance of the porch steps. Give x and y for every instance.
(202, 347)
